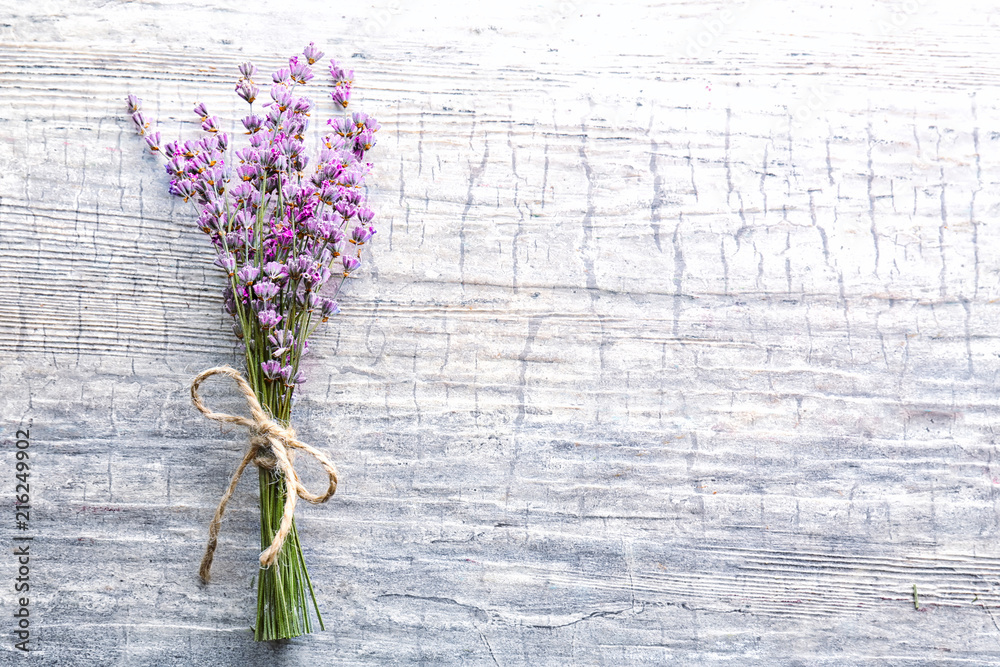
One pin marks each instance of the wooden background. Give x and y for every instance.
(678, 342)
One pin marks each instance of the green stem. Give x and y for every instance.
(284, 590)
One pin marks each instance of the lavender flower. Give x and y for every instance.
(350, 264)
(271, 370)
(269, 319)
(247, 90)
(329, 309)
(341, 95)
(266, 290)
(299, 72)
(140, 122)
(312, 54)
(282, 341)
(276, 271)
(247, 70)
(248, 274)
(227, 262)
(360, 235)
(339, 75)
(278, 219)
(282, 75)
(153, 141)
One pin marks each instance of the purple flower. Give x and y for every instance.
(278, 221)
(360, 235)
(140, 122)
(312, 54)
(227, 262)
(253, 123)
(365, 215)
(341, 95)
(247, 70)
(182, 188)
(282, 75)
(210, 124)
(247, 90)
(317, 278)
(345, 208)
(340, 77)
(269, 318)
(365, 140)
(352, 178)
(298, 71)
(153, 139)
(338, 243)
(299, 266)
(350, 263)
(341, 126)
(271, 370)
(266, 290)
(248, 274)
(247, 172)
(276, 271)
(371, 124)
(329, 309)
(282, 339)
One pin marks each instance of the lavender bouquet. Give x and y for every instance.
(286, 235)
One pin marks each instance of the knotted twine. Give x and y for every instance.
(271, 446)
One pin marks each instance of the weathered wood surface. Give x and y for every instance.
(666, 352)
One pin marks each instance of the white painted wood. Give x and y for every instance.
(678, 343)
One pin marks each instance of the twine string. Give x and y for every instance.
(271, 446)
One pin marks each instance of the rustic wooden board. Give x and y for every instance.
(678, 342)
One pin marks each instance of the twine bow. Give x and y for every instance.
(271, 446)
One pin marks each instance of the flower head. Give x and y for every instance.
(271, 370)
(299, 72)
(247, 70)
(278, 220)
(153, 140)
(269, 319)
(266, 290)
(247, 90)
(350, 263)
(227, 262)
(361, 234)
(341, 95)
(312, 54)
(248, 274)
(329, 309)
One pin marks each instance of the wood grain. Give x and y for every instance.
(665, 353)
